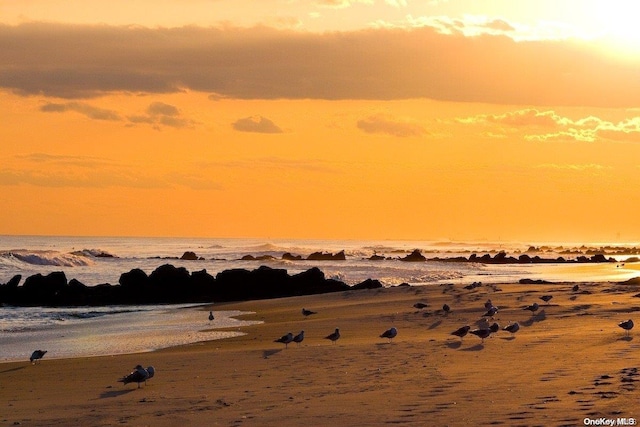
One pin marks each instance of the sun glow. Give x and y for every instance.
(614, 23)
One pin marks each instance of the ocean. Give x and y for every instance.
(91, 331)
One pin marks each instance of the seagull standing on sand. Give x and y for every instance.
(446, 309)
(494, 327)
(389, 333)
(37, 355)
(512, 327)
(532, 308)
(285, 339)
(461, 332)
(306, 312)
(138, 375)
(627, 325)
(488, 304)
(211, 316)
(335, 336)
(491, 312)
(298, 338)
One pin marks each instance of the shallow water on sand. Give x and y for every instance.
(119, 331)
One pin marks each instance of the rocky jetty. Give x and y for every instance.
(171, 285)
(321, 256)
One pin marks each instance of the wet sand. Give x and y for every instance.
(569, 361)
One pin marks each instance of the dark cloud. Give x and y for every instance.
(159, 114)
(256, 124)
(386, 125)
(162, 109)
(90, 111)
(72, 61)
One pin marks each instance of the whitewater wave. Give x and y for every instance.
(53, 258)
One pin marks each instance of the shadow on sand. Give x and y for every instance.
(435, 324)
(538, 317)
(476, 347)
(267, 353)
(627, 338)
(454, 344)
(116, 393)
(13, 369)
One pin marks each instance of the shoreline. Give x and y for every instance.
(569, 361)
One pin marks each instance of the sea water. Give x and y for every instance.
(68, 332)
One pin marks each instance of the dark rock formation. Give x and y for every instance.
(168, 284)
(414, 256)
(321, 256)
(189, 256)
(257, 258)
(368, 284)
(289, 257)
(533, 282)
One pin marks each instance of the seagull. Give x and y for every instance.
(627, 325)
(306, 312)
(488, 304)
(481, 333)
(446, 308)
(138, 375)
(389, 333)
(491, 311)
(532, 308)
(575, 288)
(37, 355)
(211, 316)
(334, 336)
(298, 338)
(494, 328)
(546, 298)
(285, 339)
(512, 327)
(461, 332)
(419, 305)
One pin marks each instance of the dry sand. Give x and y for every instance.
(568, 362)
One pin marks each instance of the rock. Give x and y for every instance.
(368, 284)
(289, 257)
(321, 256)
(414, 256)
(189, 256)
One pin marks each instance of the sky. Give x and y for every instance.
(321, 119)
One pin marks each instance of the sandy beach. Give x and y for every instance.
(569, 361)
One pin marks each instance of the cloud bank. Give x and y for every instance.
(84, 61)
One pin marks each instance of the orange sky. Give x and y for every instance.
(367, 119)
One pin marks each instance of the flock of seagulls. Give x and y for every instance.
(140, 374)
